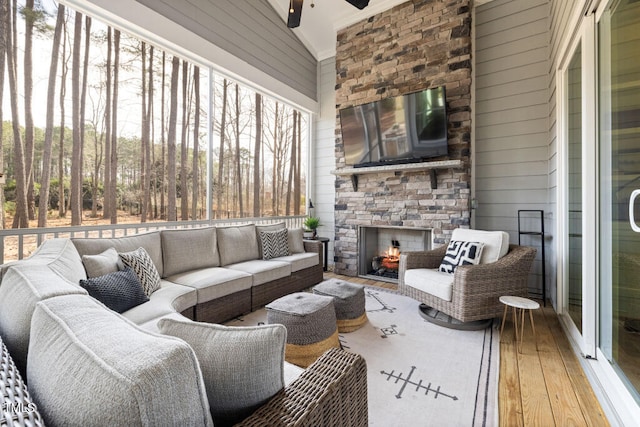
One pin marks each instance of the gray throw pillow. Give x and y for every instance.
(296, 244)
(142, 264)
(461, 253)
(274, 243)
(103, 263)
(243, 367)
(119, 291)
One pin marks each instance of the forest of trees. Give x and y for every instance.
(96, 122)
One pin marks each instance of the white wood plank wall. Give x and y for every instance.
(324, 159)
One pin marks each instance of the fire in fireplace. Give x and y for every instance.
(386, 264)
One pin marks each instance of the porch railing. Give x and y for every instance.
(17, 244)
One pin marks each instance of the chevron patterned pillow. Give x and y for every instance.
(274, 243)
(142, 264)
(460, 253)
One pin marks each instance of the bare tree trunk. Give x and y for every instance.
(114, 129)
(76, 185)
(297, 190)
(171, 140)
(83, 108)
(29, 17)
(292, 164)
(144, 139)
(196, 140)
(274, 182)
(223, 121)
(238, 170)
(48, 133)
(162, 163)
(21, 219)
(106, 208)
(184, 193)
(148, 154)
(3, 52)
(63, 93)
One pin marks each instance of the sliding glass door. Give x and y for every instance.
(619, 152)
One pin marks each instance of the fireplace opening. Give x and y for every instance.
(380, 249)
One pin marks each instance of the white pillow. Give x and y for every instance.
(461, 253)
(142, 264)
(243, 367)
(496, 243)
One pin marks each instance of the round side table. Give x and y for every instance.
(522, 304)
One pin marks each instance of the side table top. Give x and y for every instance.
(519, 302)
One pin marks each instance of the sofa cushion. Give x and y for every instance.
(274, 243)
(189, 249)
(300, 261)
(151, 242)
(267, 227)
(296, 245)
(263, 271)
(119, 291)
(496, 243)
(23, 285)
(170, 298)
(431, 281)
(89, 366)
(237, 244)
(460, 253)
(102, 263)
(142, 264)
(242, 366)
(213, 283)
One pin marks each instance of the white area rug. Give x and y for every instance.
(420, 374)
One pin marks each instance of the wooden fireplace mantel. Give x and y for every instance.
(407, 167)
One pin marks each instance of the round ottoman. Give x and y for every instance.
(311, 325)
(348, 299)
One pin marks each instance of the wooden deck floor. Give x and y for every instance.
(538, 387)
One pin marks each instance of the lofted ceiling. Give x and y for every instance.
(319, 25)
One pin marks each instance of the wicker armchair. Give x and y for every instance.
(476, 288)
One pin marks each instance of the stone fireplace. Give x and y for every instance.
(416, 45)
(380, 249)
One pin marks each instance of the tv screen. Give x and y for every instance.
(395, 130)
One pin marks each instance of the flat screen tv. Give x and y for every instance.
(402, 129)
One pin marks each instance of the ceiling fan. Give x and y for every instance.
(295, 10)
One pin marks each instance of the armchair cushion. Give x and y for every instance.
(434, 282)
(496, 243)
(461, 253)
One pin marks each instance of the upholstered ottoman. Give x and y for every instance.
(311, 325)
(348, 299)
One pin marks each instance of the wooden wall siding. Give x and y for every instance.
(323, 158)
(512, 118)
(250, 30)
(416, 45)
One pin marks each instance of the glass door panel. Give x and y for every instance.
(619, 149)
(573, 301)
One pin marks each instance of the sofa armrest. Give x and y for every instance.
(315, 246)
(330, 392)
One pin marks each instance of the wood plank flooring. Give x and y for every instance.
(538, 387)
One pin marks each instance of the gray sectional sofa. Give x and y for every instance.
(88, 365)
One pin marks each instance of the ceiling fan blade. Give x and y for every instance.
(295, 12)
(360, 4)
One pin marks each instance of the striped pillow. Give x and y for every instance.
(142, 264)
(274, 243)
